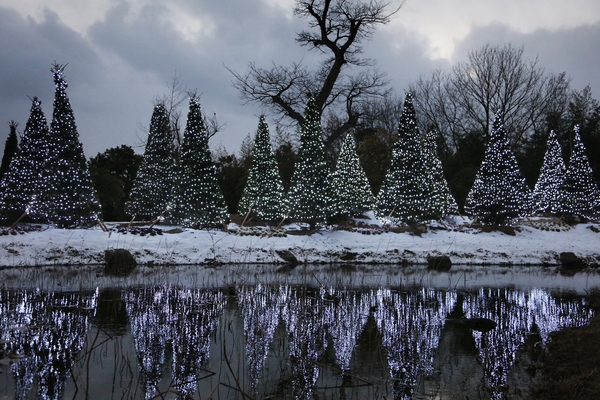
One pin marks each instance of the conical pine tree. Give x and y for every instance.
(440, 201)
(197, 199)
(500, 192)
(579, 191)
(10, 148)
(308, 195)
(263, 195)
(547, 191)
(403, 195)
(21, 179)
(350, 189)
(65, 195)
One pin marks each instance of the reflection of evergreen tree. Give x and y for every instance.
(517, 313)
(410, 325)
(47, 331)
(195, 315)
(260, 307)
(185, 318)
(347, 314)
(304, 316)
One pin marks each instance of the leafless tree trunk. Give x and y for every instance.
(337, 29)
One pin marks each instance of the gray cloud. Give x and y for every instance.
(126, 59)
(575, 51)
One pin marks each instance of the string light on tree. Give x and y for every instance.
(64, 195)
(18, 185)
(197, 198)
(350, 190)
(263, 194)
(547, 192)
(308, 195)
(440, 201)
(403, 195)
(151, 191)
(579, 191)
(500, 192)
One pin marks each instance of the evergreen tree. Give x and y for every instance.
(263, 195)
(308, 195)
(547, 193)
(440, 201)
(10, 147)
(197, 198)
(65, 194)
(499, 193)
(113, 173)
(151, 191)
(18, 184)
(403, 195)
(579, 191)
(350, 190)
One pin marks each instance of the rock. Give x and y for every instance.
(439, 263)
(119, 262)
(348, 256)
(569, 261)
(288, 257)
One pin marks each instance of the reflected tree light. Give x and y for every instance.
(304, 315)
(185, 318)
(347, 315)
(46, 331)
(261, 308)
(517, 314)
(410, 324)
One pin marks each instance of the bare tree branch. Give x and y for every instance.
(337, 29)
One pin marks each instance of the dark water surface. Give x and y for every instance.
(253, 339)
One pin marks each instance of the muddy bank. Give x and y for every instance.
(572, 364)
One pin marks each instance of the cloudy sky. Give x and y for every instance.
(122, 54)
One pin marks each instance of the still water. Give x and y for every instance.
(253, 339)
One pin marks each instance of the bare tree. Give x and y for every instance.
(494, 78)
(337, 29)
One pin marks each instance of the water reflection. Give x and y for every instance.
(297, 342)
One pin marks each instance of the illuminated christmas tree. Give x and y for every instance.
(350, 190)
(151, 191)
(308, 195)
(547, 194)
(21, 179)
(197, 198)
(263, 195)
(403, 195)
(440, 201)
(579, 192)
(65, 195)
(499, 193)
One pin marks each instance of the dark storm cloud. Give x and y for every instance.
(575, 51)
(28, 50)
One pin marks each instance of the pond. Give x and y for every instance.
(254, 333)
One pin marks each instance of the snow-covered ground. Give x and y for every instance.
(535, 242)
